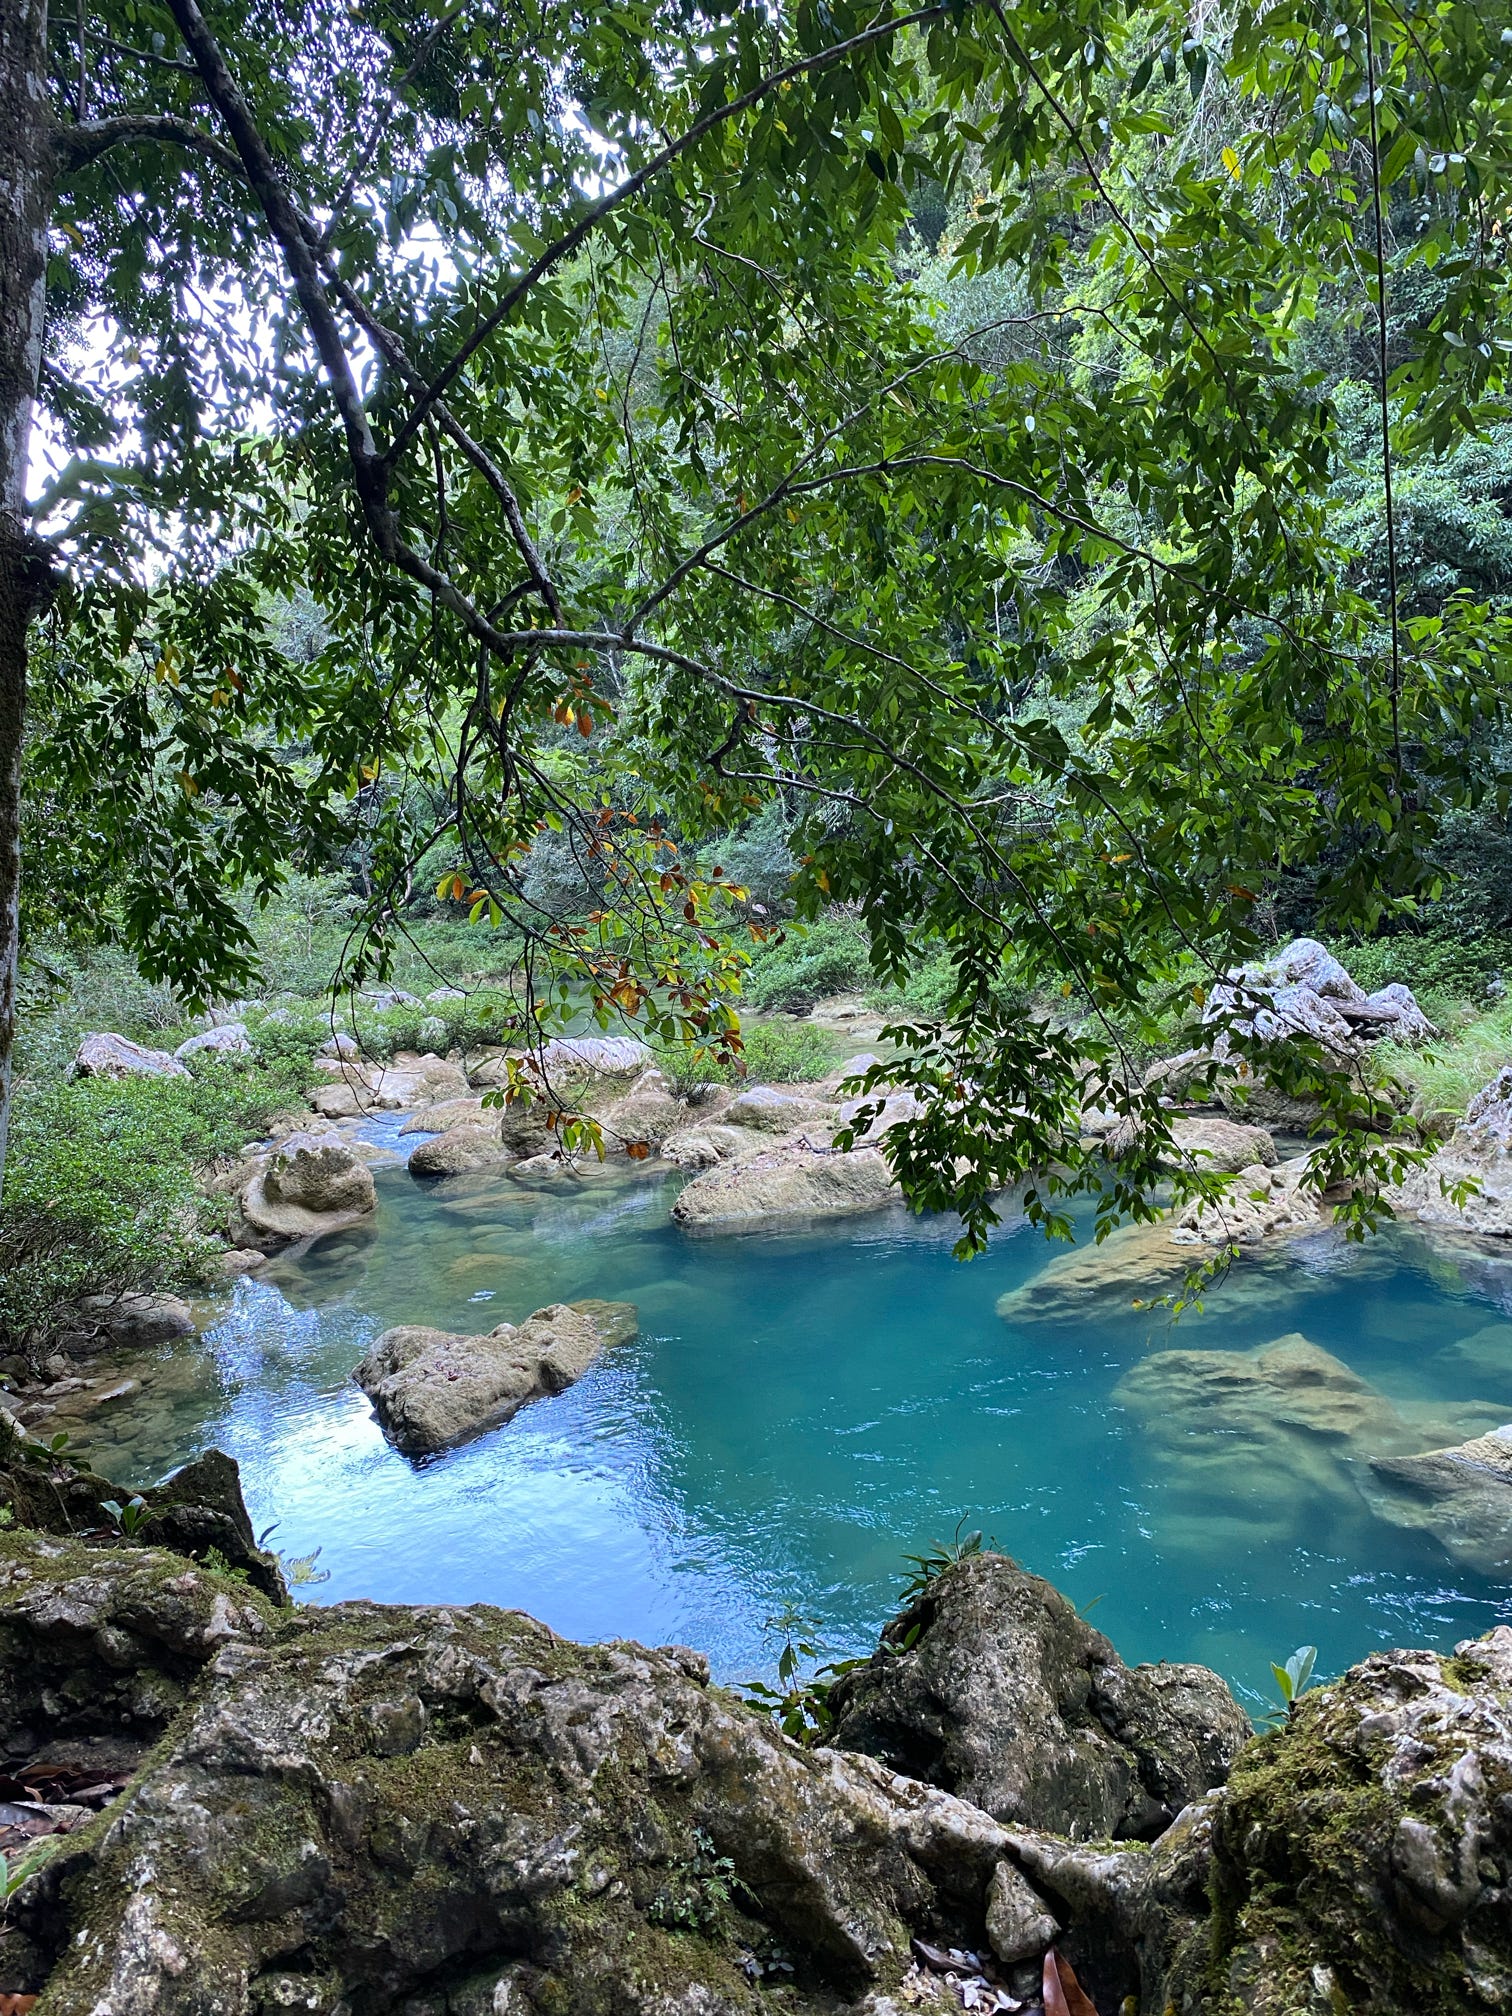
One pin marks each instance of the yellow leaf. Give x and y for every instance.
(1231, 162)
(823, 880)
(191, 789)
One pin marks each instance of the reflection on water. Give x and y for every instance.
(803, 1410)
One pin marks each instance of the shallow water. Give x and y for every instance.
(803, 1410)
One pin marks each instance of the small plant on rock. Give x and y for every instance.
(128, 1519)
(1293, 1679)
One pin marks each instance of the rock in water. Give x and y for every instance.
(106, 1055)
(789, 1181)
(430, 1388)
(473, 1145)
(774, 1111)
(1006, 1697)
(1461, 1495)
(311, 1185)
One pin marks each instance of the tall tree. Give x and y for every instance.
(567, 356)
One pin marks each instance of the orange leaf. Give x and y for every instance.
(637, 1150)
(16, 2005)
(1063, 1993)
(585, 724)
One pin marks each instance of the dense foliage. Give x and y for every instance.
(964, 429)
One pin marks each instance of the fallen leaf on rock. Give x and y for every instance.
(16, 2005)
(1064, 1995)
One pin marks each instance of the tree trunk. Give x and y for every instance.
(25, 562)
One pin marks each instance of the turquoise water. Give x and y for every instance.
(803, 1410)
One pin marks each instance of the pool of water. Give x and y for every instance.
(803, 1410)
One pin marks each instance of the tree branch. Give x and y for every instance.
(632, 186)
(76, 146)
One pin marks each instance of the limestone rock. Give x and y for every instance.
(340, 1044)
(1202, 1141)
(438, 995)
(853, 1067)
(594, 1056)
(1478, 1151)
(227, 1039)
(475, 1145)
(430, 1388)
(136, 1322)
(311, 1185)
(1305, 963)
(701, 1147)
(1360, 1856)
(1018, 1923)
(1408, 1022)
(381, 998)
(1278, 1432)
(448, 1113)
(647, 1114)
(1134, 1262)
(1006, 1697)
(789, 1182)
(1479, 1363)
(1259, 1202)
(455, 1810)
(106, 1055)
(1461, 1495)
(772, 1110)
(895, 1108)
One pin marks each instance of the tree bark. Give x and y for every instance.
(25, 561)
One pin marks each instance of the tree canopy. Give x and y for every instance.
(913, 413)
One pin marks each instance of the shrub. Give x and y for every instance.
(100, 1193)
(786, 1053)
(828, 956)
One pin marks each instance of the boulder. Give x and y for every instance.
(474, 1145)
(1202, 1141)
(227, 1039)
(991, 1686)
(453, 1812)
(647, 1114)
(594, 1056)
(1282, 1435)
(137, 1322)
(1461, 1495)
(430, 1388)
(789, 1182)
(771, 1110)
(1479, 1151)
(1134, 1263)
(311, 1185)
(448, 1113)
(853, 1067)
(438, 995)
(1408, 1022)
(701, 1147)
(340, 1044)
(1303, 963)
(886, 1112)
(381, 998)
(106, 1055)
(1260, 1201)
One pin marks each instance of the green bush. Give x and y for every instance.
(788, 1053)
(1437, 962)
(100, 1193)
(808, 962)
(925, 994)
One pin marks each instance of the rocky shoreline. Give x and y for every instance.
(450, 1811)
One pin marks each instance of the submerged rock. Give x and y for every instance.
(311, 1185)
(1134, 1262)
(1461, 1495)
(789, 1181)
(430, 1388)
(990, 1685)
(106, 1055)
